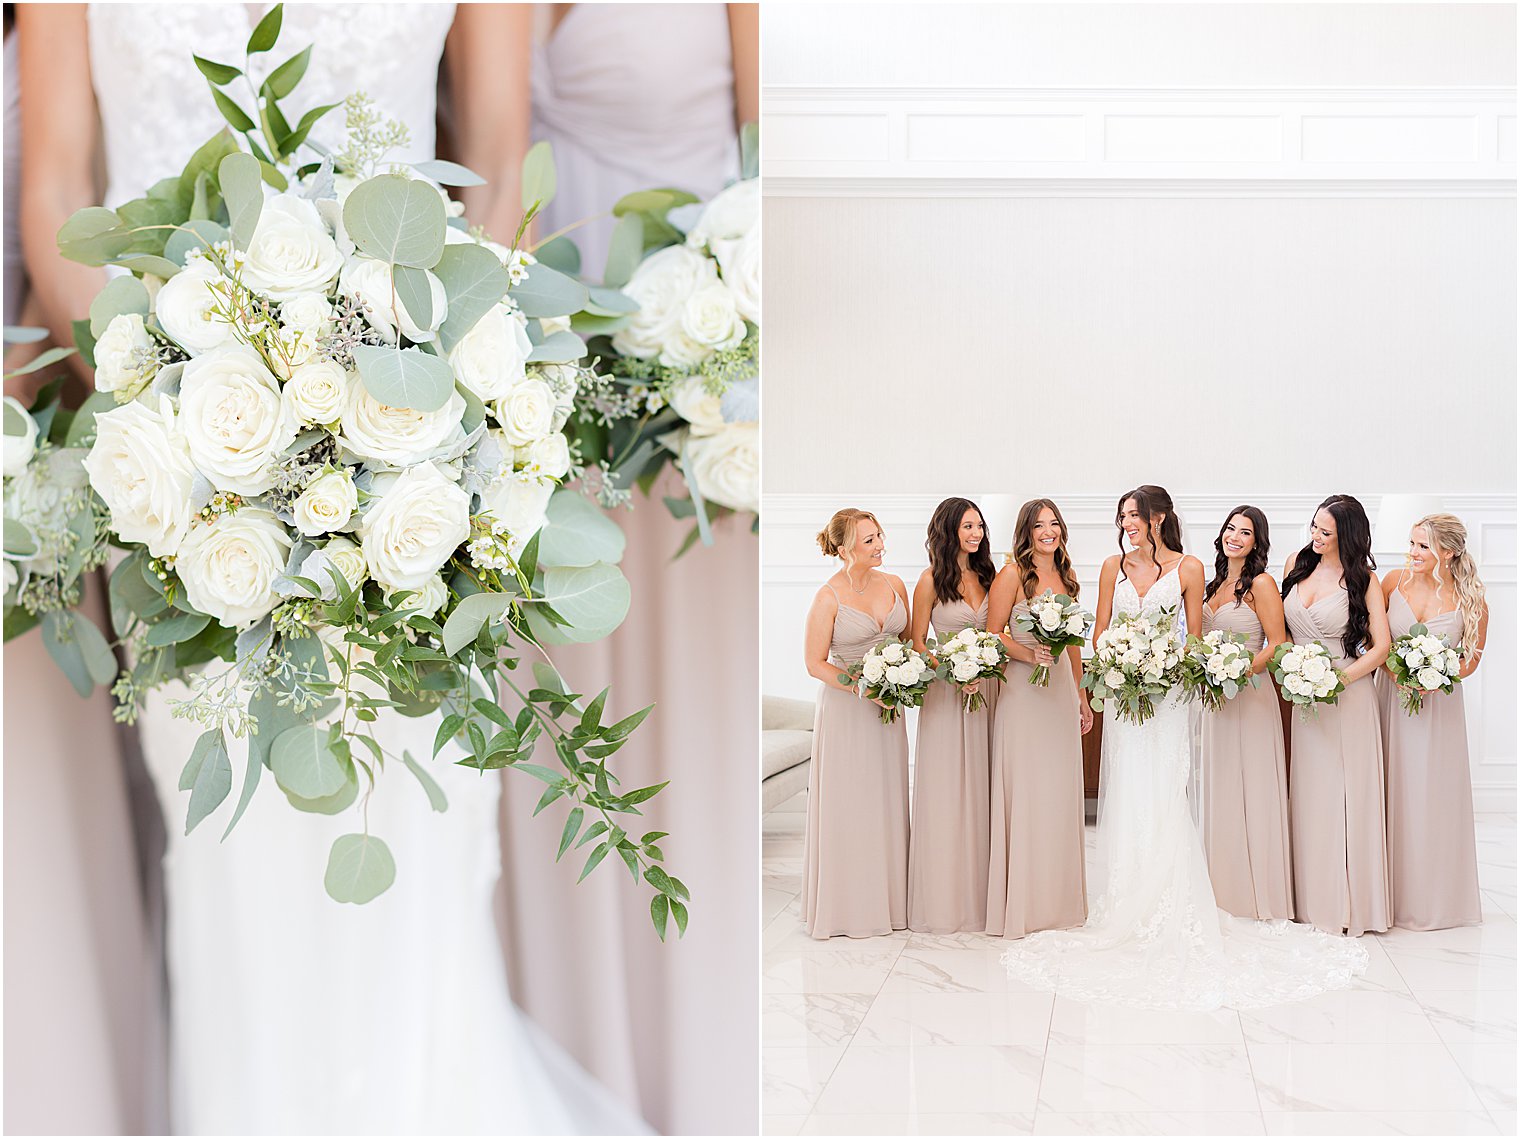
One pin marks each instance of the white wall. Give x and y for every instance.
(792, 569)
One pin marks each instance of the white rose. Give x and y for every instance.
(1113, 678)
(873, 669)
(893, 653)
(369, 281)
(491, 358)
(1324, 687)
(20, 447)
(519, 503)
(8, 576)
(1315, 668)
(185, 305)
(894, 674)
(414, 528)
(308, 312)
(726, 465)
(234, 418)
(661, 285)
(989, 656)
(731, 214)
(709, 323)
(526, 414)
(140, 466)
(1237, 668)
(1453, 661)
(229, 566)
(397, 436)
(697, 406)
(1050, 618)
(317, 392)
(966, 670)
(327, 504)
(1075, 624)
(549, 456)
(1130, 656)
(740, 262)
(290, 251)
(1430, 678)
(1413, 657)
(119, 355)
(426, 600)
(348, 559)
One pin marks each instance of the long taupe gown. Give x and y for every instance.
(947, 856)
(1336, 797)
(1246, 783)
(1432, 851)
(1037, 877)
(855, 865)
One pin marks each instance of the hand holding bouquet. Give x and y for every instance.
(1216, 667)
(967, 658)
(1138, 659)
(1058, 623)
(893, 674)
(1422, 662)
(1307, 676)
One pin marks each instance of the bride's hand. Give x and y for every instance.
(1085, 713)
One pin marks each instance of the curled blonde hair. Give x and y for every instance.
(839, 534)
(1448, 534)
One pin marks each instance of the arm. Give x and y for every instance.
(1191, 574)
(1377, 616)
(919, 611)
(744, 38)
(1107, 579)
(1006, 592)
(817, 636)
(1390, 583)
(1474, 655)
(488, 55)
(1267, 603)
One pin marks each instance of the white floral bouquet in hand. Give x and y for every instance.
(1306, 675)
(1217, 667)
(967, 658)
(1057, 622)
(1137, 661)
(328, 435)
(1422, 662)
(894, 674)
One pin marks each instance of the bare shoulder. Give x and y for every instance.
(1191, 567)
(1288, 565)
(1111, 566)
(896, 582)
(1390, 583)
(1264, 583)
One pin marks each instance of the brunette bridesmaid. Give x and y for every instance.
(1246, 813)
(1037, 877)
(947, 854)
(1432, 851)
(1336, 796)
(855, 865)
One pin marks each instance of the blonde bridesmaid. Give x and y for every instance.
(1037, 877)
(1432, 850)
(1245, 781)
(855, 864)
(947, 854)
(1336, 795)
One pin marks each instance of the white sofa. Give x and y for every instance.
(786, 749)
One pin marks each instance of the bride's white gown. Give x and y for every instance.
(291, 1013)
(1154, 938)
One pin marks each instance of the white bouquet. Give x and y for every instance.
(1307, 676)
(1422, 662)
(1136, 661)
(893, 673)
(1216, 667)
(968, 657)
(1057, 622)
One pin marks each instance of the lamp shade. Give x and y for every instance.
(1000, 512)
(1396, 514)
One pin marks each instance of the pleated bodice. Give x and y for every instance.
(1235, 618)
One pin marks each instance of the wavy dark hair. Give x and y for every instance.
(944, 546)
(1353, 538)
(1151, 501)
(1022, 557)
(1256, 560)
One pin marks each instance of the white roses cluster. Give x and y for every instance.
(968, 657)
(1420, 661)
(1135, 660)
(1217, 667)
(893, 674)
(1306, 674)
(1055, 621)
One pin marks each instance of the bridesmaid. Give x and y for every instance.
(947, 856)
(1037, 877)
(1336, 798)
(1432, 851)
(1246, 783)
(855, 865)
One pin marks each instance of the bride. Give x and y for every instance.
(290, 1013)
(1154, 938)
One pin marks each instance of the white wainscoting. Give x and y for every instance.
(792, 568)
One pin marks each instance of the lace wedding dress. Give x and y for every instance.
(291, 1013)
(1154, 938)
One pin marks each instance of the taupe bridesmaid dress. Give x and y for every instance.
(1336, 798)
(1246, 783)
(947, 855)
(855, 865)
(1037, 877)
(1432, 850)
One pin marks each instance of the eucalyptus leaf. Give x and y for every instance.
(558, 348)
(560, 253)
(475, 282)
(179, 627)
(148, 263)
(93, 236)
(19, 541)
(625, 250)
(415, 292)
(396, 219)
(120, 295)
(213, 778)
(79, 649)
(436, 798)
(240, 176)
(42, 360)
(545, 292)
(470, 616)
(359, 869)
(333, 804)
(304, 764)
(592, 599)
(404, 377)
(198, 233)
(577, 533)
(24, 334)
(657, 202)
(538, 176)
(749, 156)
(448, 173)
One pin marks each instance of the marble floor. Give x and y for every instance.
(923, 1034)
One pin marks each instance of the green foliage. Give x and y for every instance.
(79, 649)
(359, 869)
(405, 377)
(474, 282)
(396, 219)
(538, 177)
(240, 177)
(545, 292)
(208, 777)
(577, 533)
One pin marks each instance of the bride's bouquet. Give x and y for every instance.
(1136, 661)
(1422, 662)
(1217, 667)
(327, 433)
(893, 673)
(970, 656)
(1307, 676)
(1057, 622)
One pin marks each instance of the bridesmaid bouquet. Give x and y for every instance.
(1137, 661)
(1421, 663)
(1217, 667)
(1058, 623)
(969, 656)
(1307, 676)
(327, 433)
(894, 673)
